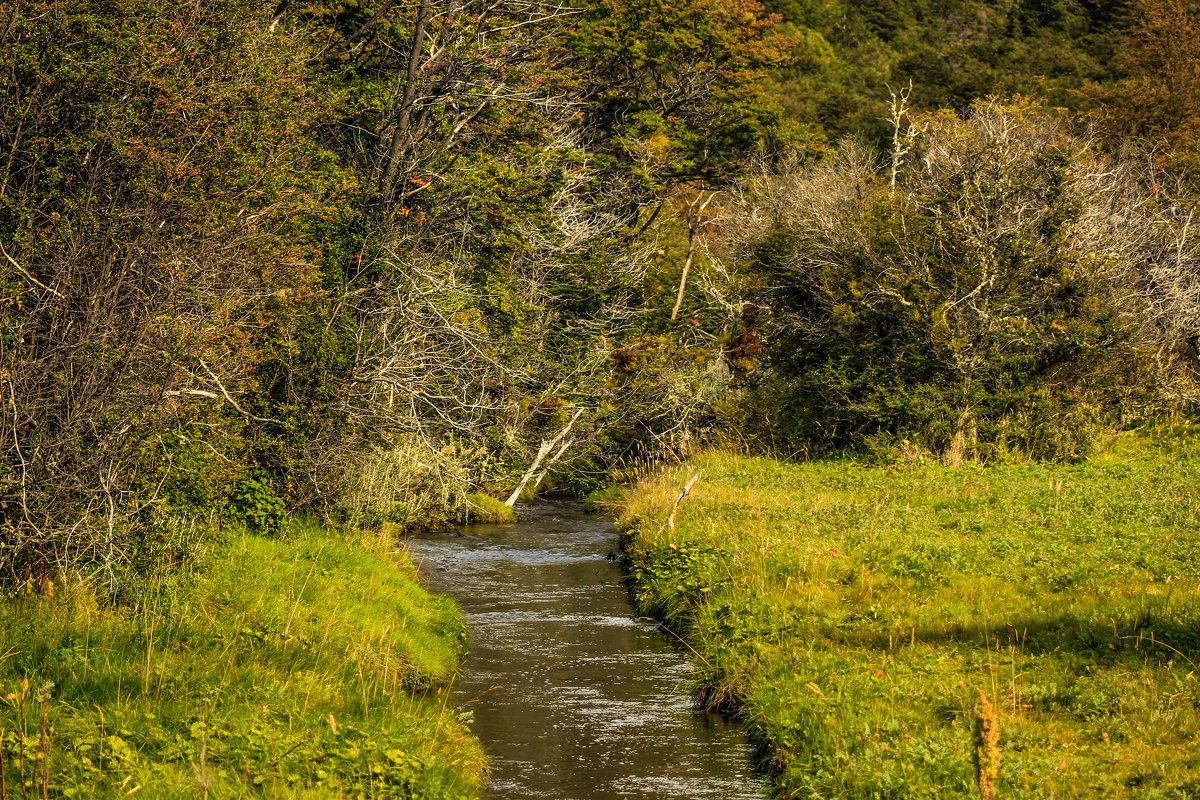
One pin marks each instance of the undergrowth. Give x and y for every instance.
(483, 509)
(309, 666)
(852, 614)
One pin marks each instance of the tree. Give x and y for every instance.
(1161, 96)
(670, 90)
(153, 198)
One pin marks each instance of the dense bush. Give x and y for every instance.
(153, 200)
(1002, 295)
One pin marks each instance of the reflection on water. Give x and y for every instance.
(573, 698)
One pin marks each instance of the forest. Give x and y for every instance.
(361, 261)
(362, 267)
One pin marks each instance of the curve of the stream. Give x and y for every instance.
(573, 697)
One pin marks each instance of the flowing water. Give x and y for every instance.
(572, 696)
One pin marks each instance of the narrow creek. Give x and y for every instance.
(572, 696)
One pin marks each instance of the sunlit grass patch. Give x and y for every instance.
(312, 666)
(483, 509)
(853, 614)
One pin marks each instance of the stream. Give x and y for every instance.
(572, 696)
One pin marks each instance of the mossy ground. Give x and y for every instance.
(853, 613)
(309, 666)
(484, 509)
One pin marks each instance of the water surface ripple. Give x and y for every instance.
(574, 698)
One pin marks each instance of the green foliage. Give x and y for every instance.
(846, 54)
(671, 581)
(305, 668)
(671, 88)
(851, 614)
(263, 510)
(249, 245)
(194, 474)
(988, 304)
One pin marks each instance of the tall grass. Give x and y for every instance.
(406, 486)
(853, 615)
(312, 666)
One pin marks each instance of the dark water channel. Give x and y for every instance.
(573, 697)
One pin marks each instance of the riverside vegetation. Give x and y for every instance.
(851, 614)
(378, 262)
(311, 665)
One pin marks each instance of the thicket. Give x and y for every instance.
(154, 211)
(253, 261)
(1003, 284)
(365, 258)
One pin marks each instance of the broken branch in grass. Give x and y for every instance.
(686, 491)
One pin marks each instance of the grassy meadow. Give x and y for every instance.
(853, 614)
(308, 666)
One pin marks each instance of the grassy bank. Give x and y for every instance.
(308, 666)
(854, 614)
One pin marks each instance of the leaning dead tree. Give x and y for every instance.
(544, 450)
(695, 221)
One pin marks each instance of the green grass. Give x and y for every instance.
(308, 667)
(852, 614)
(483, 509)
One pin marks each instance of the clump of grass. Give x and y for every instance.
(483, 509)
(312, 666)
(853, 613)
(405, 487)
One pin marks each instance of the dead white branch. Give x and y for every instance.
(233, 402)
(694, 219)
(28, 275)
(543, 451)
(682, 495)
